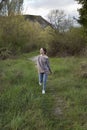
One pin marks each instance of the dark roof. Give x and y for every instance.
(34, 18)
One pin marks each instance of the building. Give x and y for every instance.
(34, 18)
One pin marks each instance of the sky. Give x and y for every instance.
(43, 7)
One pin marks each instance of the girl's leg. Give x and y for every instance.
(40, 78)
(45, 76)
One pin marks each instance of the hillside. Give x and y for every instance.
(22, 105)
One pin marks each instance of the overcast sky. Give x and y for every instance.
(42, 7)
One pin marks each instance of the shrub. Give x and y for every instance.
(69, 43)
(4, 53)
(18, 34)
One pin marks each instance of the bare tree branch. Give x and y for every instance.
(11, 6)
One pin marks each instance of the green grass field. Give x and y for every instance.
(22, 105)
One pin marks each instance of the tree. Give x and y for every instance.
(9, 7)
(59, 20)
(83, 12)
(1, 3)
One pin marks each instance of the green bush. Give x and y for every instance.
(71, 42)
(18, 34)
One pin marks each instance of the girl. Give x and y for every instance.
(43, 68)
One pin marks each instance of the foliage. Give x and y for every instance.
(75, 41)
(4, 53)
(69, 43)
(16, 34)
(83, 12)
(45, 37)
(83, 17)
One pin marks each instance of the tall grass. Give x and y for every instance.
(23, 107)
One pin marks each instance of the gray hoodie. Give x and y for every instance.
(43, 64)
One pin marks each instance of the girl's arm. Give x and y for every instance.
(48, 65)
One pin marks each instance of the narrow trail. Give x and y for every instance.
(34, 59)
(59, 104)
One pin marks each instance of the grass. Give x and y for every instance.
(23, 107)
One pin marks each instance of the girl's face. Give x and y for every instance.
(41, 51)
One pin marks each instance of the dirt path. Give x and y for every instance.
(34, 59)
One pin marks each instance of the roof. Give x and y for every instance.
(36, 18)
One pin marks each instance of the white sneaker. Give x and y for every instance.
(40, 83)
(43, 91)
